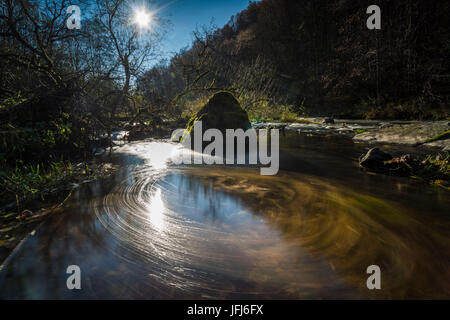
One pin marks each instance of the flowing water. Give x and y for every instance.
(158, 231)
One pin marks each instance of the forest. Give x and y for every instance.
(357, 119)
(318, 58)
(63, 88)
(63, 92)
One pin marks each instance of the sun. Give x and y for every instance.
(142, 18)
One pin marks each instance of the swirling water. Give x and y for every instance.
(159, 231)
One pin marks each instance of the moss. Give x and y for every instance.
(221, 112)
(360, 130)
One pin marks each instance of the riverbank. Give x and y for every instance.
(433, 134)
(430, 133)
(30, 194)
(420, 149)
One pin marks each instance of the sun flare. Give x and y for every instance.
(142, 18)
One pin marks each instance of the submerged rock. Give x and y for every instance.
(374, 159)
(328, 121)
(382, 162)
(432, 169)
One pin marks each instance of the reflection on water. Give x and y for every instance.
(156, 210)
(160, 231)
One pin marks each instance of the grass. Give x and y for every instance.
(434, 169)
(28, 193)
(38, 181)
(288, 116)
(33, 180)
(442, 136)
(25, 187)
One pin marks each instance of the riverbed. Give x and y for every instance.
(155, 230)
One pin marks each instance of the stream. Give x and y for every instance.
(154, 230)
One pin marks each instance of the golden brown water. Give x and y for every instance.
(160, 231)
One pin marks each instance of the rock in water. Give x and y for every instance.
(382, 162)
(375, 159)
(328, 121)
(221, 112)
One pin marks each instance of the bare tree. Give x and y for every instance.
(126, 47)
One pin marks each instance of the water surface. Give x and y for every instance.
(159, 231)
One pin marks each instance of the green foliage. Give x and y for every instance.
(36, 143)
(435, 168)
(360, 130)
(13, 100)
(288, 116)
(29, 181)
(265, 111)
(192, 106)
(442, 136)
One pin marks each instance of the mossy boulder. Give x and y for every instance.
(221, 112)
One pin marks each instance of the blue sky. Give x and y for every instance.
(186, 15)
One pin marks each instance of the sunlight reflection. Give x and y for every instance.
(159, 155)
(156, 210)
